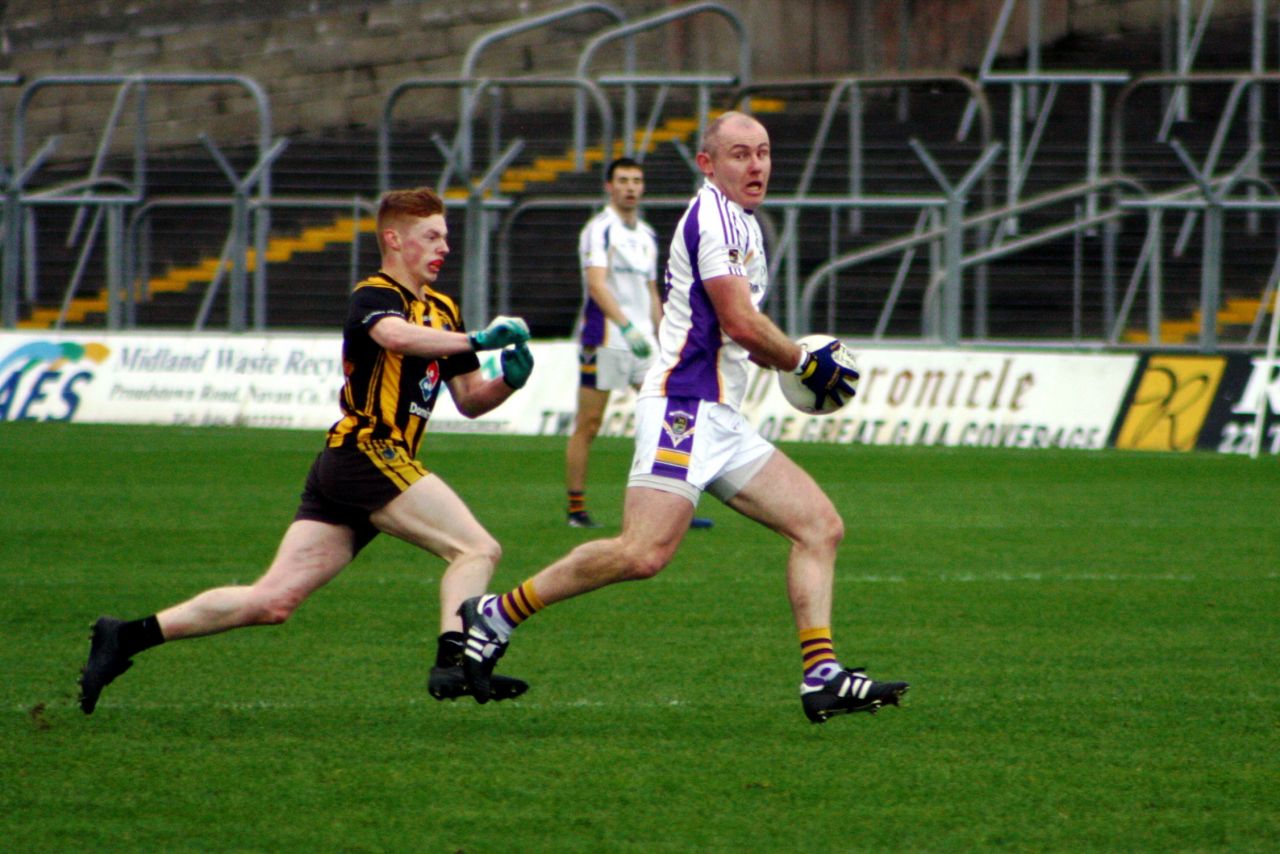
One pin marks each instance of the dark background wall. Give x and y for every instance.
(330, 63)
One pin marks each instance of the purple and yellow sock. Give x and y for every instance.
(577, 501)
(820, 662)
(519, 605)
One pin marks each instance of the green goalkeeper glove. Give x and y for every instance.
(501, 332)
(517, 365)
(636, 341)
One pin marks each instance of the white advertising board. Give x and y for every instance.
(987, 398)
(250, 380)
(253, 380)
(907, 396)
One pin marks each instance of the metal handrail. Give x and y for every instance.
(1205, 77)
(700, 83)
(503, 248)
(824, 271)
(472, 57)
(1020, 156)
(627, 30)
(251, 86)
(468, 96)
(459, 150)
(128, 82)
(78, 194)
(878, 81)
(140, 216)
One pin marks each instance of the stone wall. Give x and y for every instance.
(1117, 16)
(323, 64)
(330, 64)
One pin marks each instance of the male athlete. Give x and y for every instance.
(691, 437)
(401, 342)
(619, 257)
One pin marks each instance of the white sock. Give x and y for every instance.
(821, 673)
(491, 609)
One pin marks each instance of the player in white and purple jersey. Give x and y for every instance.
(691, 437)
(715, 237)
(618, 254)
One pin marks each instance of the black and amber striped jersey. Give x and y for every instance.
(388, 397)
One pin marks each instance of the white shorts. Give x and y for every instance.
(688, 446)
(608, 369)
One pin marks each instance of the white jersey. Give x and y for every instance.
(715, 237)
(629, 255)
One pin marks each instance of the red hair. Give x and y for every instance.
(397, 206)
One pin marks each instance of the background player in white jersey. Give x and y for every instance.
(691, 438)
(620, 312)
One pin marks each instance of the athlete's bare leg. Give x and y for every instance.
(782, 496)
(431, 515)
(586, 425)
(310, 554)
(653, 524)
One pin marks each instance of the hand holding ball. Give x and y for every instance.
(826, 379)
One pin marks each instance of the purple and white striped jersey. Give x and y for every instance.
(630, 258)
(715, 237)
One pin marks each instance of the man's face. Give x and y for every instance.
(625, 188)
(423, 246)
(739, 163)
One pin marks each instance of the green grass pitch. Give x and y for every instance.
(1092, 640)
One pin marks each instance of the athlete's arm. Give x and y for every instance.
(398, 335)
(473, 395)
(755, 332)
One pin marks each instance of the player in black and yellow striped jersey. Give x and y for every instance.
(402, 341)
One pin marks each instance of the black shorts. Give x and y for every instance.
(346, 485)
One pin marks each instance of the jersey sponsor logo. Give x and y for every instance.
(428, 385)
(1171, 402)
(431, 379)
(41, 380)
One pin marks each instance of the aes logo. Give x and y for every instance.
(1171, 402)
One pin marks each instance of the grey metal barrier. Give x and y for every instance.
(137, 260)
(108, 208)
(1213, 200)
(459, 155)
(941, 319)
(1204, 183)
(1022, 153)
(627, 31)
(481, 198)
(512, 217)
(469, 95)
(785, 263)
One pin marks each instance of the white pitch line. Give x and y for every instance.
(1014, 577)
(273, 706)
